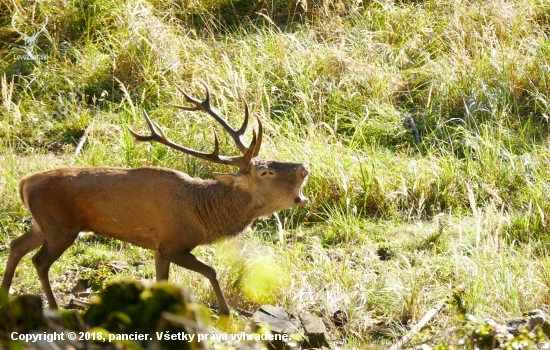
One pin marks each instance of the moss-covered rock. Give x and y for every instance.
(127, 307)
(23, 315)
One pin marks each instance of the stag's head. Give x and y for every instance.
(274, 185)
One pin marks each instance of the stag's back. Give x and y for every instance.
(139, 206)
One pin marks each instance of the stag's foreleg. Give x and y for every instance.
(19, 247)
(162, 267)
(187, 260)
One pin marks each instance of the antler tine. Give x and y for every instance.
(198, 105)
(256, 143)
(259, 142)
(246, 115)
(204, 105)
(157, 135)
(250, 153)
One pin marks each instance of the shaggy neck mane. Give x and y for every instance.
(220, 208)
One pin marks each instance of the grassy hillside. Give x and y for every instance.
(425, 124)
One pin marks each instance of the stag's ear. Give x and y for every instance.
(228, 179)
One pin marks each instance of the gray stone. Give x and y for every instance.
(529, 321)
(315, 331)
(280, 324)
(310, 328)
(277, 312)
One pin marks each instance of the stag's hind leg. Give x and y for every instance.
(30, 240)
(53, 247)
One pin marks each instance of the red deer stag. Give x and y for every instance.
(164, 210)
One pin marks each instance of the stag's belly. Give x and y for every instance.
(147, 225)
(144, 237)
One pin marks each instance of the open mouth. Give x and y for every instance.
(301, 200)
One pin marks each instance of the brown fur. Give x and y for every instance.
(159, 209)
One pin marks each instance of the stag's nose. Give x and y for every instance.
(304, 170)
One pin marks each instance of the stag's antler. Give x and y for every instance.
(204, 105)
(243, 162)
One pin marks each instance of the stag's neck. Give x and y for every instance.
(222, 211)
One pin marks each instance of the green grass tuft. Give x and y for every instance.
(425, 124)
